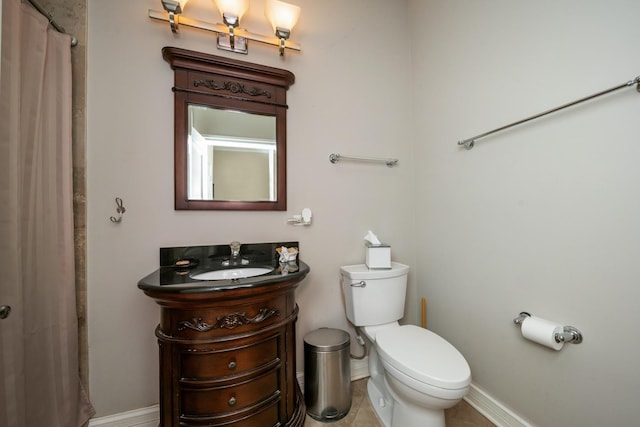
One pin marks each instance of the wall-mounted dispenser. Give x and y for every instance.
(547, 333)
(303, 218)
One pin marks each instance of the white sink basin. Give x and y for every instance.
(233, 273)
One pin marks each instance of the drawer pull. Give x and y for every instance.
(232, 401)
(232, 365)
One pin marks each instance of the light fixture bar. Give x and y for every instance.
(223, 29)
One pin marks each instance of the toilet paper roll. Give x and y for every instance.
(542, 331)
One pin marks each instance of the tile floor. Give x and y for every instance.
(362, 414)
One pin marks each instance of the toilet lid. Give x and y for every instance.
(424, 356)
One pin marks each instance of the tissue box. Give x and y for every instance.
(378, 256)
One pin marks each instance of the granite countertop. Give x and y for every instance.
(178, 265)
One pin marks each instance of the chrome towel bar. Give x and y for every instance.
(470, 142)
(335, 158)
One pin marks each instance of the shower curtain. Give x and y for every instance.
(39, 379)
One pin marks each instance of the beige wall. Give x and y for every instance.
(542, 218)
(345, 71)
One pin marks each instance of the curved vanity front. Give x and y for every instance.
(227, 349)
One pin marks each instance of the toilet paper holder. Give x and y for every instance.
(569, 334)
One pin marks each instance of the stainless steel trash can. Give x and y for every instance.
(327, 374)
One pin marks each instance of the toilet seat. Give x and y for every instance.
(423, 356)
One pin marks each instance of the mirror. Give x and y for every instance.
(231, 155)
(230, 133)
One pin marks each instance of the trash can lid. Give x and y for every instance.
(327, 339)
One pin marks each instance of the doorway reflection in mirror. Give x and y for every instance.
(231, 155)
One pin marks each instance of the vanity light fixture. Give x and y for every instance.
(282, 16)
(173, 8)
(232, 11)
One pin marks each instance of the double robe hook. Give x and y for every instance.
(120, 210)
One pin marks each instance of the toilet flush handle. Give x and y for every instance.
(361, 284)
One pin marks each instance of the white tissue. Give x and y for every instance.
(371, 238)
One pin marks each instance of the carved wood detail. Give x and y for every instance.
(233, 87)
(234, 320)
(229, 321)
(197, 324)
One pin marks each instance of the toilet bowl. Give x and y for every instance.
(414, 373)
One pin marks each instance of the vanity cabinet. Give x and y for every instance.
(227, 357)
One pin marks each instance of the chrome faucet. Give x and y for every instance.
(235, 258)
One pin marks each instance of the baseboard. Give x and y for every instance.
(149, 417)
(359, 368)
(493, 410)
(144, 417)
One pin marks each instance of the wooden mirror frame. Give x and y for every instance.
(225, 83)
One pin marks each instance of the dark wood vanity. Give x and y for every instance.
(227, 349)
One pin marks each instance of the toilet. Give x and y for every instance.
(415, 374)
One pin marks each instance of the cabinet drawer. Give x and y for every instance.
(230, 362)
(198, 401)
(209, 324)
(268, 416)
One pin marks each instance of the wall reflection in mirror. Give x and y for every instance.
(231, 155)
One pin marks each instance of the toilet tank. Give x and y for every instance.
(374, 297)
